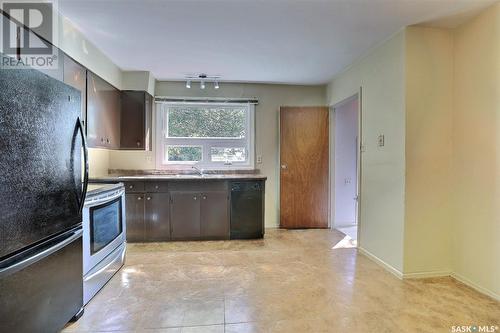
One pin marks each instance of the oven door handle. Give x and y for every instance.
(104, 199)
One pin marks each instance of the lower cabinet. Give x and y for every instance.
(196, 215)
(183, 210)
(157, 217)
(185, 214)
(134, 204)
(214, 215)
(148, 218)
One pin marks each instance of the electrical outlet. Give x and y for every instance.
(381, 140)
(149, 159)
(259, 159)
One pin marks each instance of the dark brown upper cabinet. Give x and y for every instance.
(136, 120)
(75, 75)
(103, 113)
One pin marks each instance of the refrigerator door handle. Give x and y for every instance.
(24, 262)
(85, 163)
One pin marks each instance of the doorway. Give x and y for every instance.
(346, 170)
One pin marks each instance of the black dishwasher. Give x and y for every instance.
(247, 209)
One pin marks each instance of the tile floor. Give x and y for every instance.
(292, 281)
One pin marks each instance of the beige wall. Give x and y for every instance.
(428, 148)
(270, 97)
(381, 75)
(73, 43)
(139, 80)
(476, 152)
(98, 162)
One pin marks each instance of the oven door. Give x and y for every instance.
(103, 228)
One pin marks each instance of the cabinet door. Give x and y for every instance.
(185, 215)
(214, 215)
(133, 120)
(157, 217)
(76, 76)
(134, 204)
(113, 130)
(103, 113)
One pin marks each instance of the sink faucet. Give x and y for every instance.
(198, 170)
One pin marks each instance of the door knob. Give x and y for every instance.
(284, 166)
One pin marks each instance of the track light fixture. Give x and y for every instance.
(203, 79)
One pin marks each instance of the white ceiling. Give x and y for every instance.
(275, 41)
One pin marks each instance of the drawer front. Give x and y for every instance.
(134, 187)
(198, 185)
(153, 187)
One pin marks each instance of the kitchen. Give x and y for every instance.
(197, 198)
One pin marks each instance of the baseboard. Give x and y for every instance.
(382, 263)
(474, 286)
(424, 275)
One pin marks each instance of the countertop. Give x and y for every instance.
(160, 177)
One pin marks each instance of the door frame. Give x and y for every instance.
(360, 147)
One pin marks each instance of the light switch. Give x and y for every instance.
(381, 140)
(259, 159)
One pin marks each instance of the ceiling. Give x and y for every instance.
(272, 41)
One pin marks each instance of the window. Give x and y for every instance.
(213, 136)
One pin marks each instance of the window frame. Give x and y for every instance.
(206, 143)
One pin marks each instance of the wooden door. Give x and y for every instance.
(157, 217)
(214, 215)
(304, 174)
(134, 204)
(185, 215)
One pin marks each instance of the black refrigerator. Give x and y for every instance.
(43, 172)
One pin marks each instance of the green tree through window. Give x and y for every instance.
(206, 122)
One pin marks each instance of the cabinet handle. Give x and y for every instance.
(131, 187)
(204, 197)
(102, 140)
(139, 198)
(138, 143)
(148, 198)
(195, 198)
(107, 141)
(157, 187)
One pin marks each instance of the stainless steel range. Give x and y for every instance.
(103, 236)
